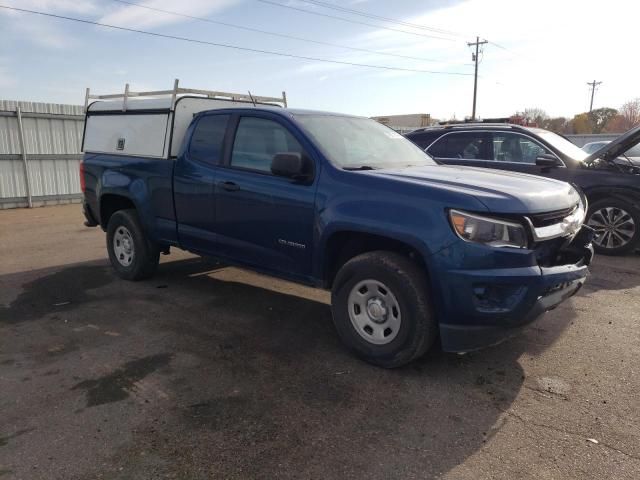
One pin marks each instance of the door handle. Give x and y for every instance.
(229, 186)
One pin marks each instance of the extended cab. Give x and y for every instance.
(412, 251)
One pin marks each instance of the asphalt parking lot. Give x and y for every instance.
(211, 372)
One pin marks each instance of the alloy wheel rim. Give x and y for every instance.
(123, 246)
(374, 312)
(614, 227)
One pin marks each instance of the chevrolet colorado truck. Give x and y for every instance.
(413, 252)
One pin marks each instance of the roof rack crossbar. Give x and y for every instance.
(181, 91)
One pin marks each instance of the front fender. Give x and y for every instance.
(341, 220)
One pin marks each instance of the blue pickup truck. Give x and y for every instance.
(413, 252)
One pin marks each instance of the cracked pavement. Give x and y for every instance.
(207, 371)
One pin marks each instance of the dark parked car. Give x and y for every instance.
(610, 180)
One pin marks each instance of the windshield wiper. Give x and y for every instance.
(361, 167)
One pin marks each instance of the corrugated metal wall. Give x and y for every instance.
(52, 137)
(582, 139)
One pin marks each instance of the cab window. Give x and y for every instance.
(258, 140)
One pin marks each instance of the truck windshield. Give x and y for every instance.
(361, 143)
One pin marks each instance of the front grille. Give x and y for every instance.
(547, 251)
(551, 218)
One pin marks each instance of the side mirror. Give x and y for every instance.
(292, 165)
(547, 160)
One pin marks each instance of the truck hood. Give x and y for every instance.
(499, 191)
(617, 147)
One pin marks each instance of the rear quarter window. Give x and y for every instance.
(208, 138)
(461, 145)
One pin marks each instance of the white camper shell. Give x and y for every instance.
(153, 124)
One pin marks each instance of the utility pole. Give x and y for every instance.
(593, 86)
(477, 44)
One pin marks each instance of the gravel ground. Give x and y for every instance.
(209, 372)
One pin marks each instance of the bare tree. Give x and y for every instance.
(536, 115)
(630, 112)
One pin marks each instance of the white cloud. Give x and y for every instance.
(553, 48)
(53, 34)
(41, 32)
(44, 31)
(550, 56)
(54, 6)
(136, 17)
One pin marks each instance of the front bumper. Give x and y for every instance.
(483, 307)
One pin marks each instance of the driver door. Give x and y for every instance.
(264, 220)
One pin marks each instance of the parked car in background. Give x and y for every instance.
(593, 146)
(633, 154)
(610, 180)
(412, 251)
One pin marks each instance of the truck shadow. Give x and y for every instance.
(615, 273)
(259, 384)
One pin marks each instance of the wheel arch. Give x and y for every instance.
(110, 203)
(343, 245)
(623, 194)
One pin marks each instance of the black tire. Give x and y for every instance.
(595, 219)
(408, 285)
(143, 261)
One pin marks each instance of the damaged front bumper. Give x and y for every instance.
(483, 306)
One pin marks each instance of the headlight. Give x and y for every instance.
(489, 231)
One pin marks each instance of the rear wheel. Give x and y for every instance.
(381, 308)
(617, 226)
(132, 255)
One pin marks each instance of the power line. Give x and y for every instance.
(512, 52)
(335, 17)
(501, 47)
(275, 34)
(380, 17)
(234, 47)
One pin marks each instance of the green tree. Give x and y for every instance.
(600, 117)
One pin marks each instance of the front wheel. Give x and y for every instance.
(132, 255)
(382, 310)
(617, 226)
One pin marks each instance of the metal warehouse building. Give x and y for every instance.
(405, 123)
(39, 153)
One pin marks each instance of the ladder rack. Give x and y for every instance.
(177, 90)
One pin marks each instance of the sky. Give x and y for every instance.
(540, 54)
